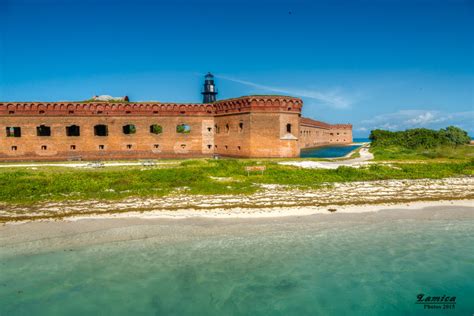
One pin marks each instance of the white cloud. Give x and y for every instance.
(418, 118)
(332, 98)
(426, 119)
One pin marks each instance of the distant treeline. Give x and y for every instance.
(420, 137)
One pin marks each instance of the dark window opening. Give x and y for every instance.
(209, 129)
(73, 147)
(41, 112)
(241, 127)
(155, 112)
(99, 112)
(13, 131)
(226, 146)
(238, 147)
(101, 130)
(129, 146)
(101, 147)
(73, 130)
(288, 128)
(156, 146)
(182, 112)
(14, 148)
(183, 129)
(44, 147)
(71, 112)
(209, 146)
(129, 129)
(289, 109)
(43, 130)
(227, 128)
(215, 146)
(183, 146)
(156, 129)
(11, 112)
(127, 112)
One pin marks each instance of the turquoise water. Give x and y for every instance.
(361, 140)
(327, 151)
(299, 267)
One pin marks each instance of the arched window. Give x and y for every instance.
(288, 128)
(129, 129)
(73, 130)
(183, 129)
(227, 128)
(43, 130)
(156, 129)
(101, 130)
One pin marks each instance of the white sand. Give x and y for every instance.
(275, 212)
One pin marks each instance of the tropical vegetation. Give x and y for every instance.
(421, 143)
(200, 176)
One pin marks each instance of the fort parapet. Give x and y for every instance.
(250, 126)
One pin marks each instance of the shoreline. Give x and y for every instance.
(29, 238)
(244, 213)
(256, 213)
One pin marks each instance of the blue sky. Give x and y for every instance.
(376, 64)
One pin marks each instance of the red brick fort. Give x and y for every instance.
(249, 126)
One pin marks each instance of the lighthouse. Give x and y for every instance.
(209, 93)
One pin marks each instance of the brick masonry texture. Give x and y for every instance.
(250, 126)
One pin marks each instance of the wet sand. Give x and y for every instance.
(39, 236)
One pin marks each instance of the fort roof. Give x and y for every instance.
(265, 103)
(313, 123)
(244, 97)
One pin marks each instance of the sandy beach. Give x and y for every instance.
(235, 213)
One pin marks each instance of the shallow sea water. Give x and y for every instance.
(299, 267)
(328, 151)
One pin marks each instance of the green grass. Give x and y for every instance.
(27, 186)
(460, 153)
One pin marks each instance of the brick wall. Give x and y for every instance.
(117, 145)
(315, 133)
(242, 127)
